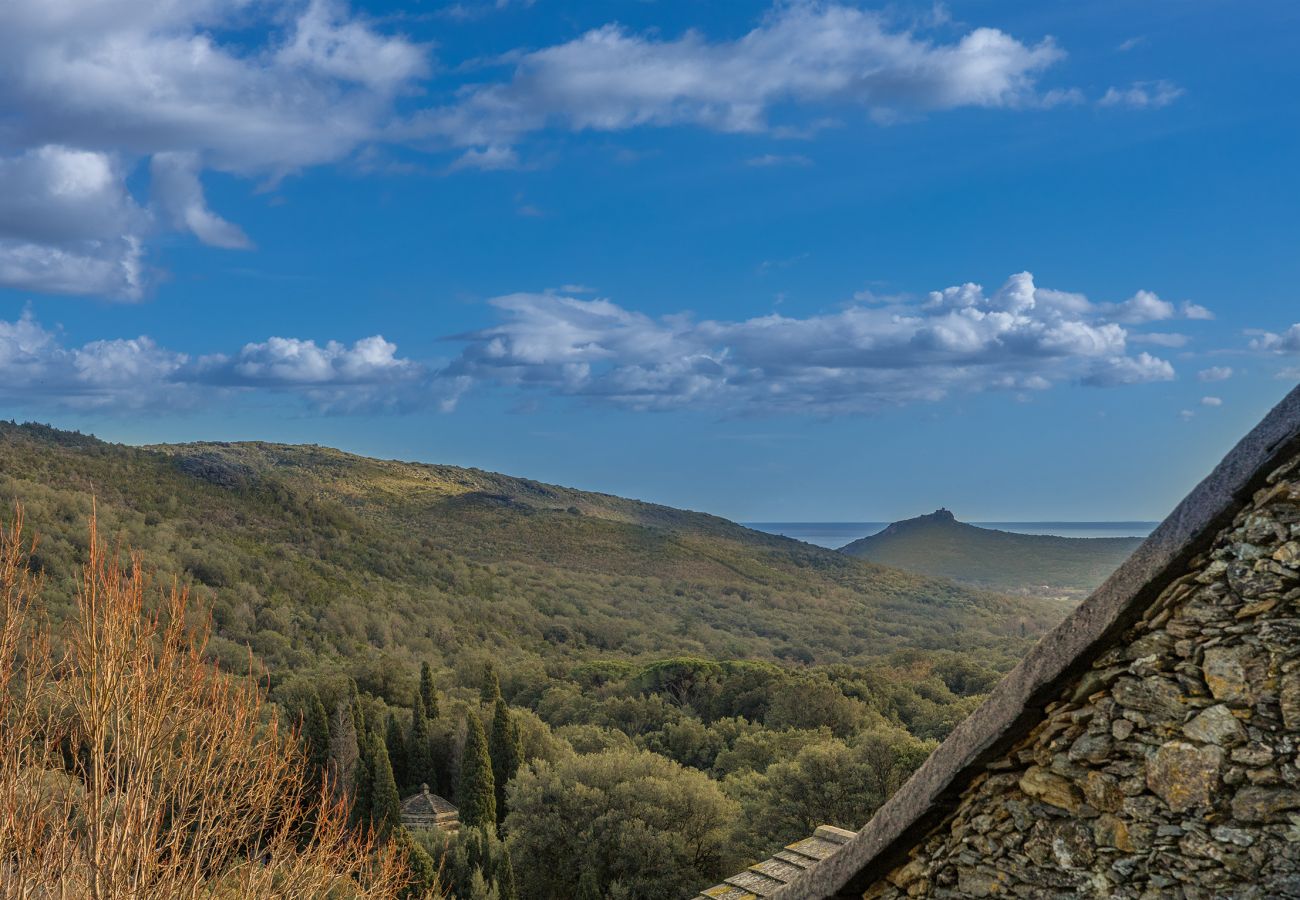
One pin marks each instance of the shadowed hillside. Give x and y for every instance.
(1039, 564)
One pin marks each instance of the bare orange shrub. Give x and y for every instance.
(131, 768)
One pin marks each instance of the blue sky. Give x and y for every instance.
(802, 260)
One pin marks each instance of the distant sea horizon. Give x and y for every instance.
(837, 534)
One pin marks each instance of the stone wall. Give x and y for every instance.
(1170, 767)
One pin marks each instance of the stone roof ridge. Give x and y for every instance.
(784, 869)
(1016, 704)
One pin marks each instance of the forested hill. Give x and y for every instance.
(311, 555)
(938, 544)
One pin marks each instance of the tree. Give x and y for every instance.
(344, 753)
(419, 752)
(506, 876)
(422, 872)
(428, 693)
(385, 805)
(491, 684)
(395, 743)
(316, 736)
(506, 754)
(589, 886)
(363, 783)
(477, 793)
(659, 829)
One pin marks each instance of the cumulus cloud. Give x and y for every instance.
(803, 52)
(1214, 373)
(38, 367)
(1142, 95)
(860, 359)
(68, 224)
(89, 88)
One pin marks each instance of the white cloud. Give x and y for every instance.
(768, 160)
(180, 195)
(1269, 342)
(37, 368)
(1143, 95)
(89, 88)
(803, 52)
(1172, 340)
(1211, 401)
(68, 225)
(1214, 373)
(860, 359)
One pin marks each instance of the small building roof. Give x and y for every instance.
(424, 805)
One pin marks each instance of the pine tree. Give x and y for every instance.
(395, 743)
(385, 805)
(477, 794)
(506, 754)
(419, 753)
(428, 693)
(316, 736)
(491, 684)
(343, 754)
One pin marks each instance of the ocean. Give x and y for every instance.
(837, 534)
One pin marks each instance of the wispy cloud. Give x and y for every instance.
(1142, 95)
(803, 54)
(768, 160)
(1214, 373)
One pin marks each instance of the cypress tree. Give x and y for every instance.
(506, 876)
(395, 743)
(343, 754)
(358, 714)
(506, 754)
(477, 794)
(385, 805)
(491, 684)
(419, 753)
(428, 693)
(316, 736)
(363, 780)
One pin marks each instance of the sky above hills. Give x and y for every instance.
(786, 261)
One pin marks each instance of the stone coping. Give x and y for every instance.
(1015, 705)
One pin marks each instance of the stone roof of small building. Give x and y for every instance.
(787, 866)
(1021, 701)
(426, 804)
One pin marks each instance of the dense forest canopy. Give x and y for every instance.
(647, 661)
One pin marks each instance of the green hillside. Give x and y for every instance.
(1032, 564)
(309, 553)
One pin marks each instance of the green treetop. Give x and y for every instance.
(385, 805)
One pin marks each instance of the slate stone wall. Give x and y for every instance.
(1171, 767)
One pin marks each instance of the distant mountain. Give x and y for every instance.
(1032, 564)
